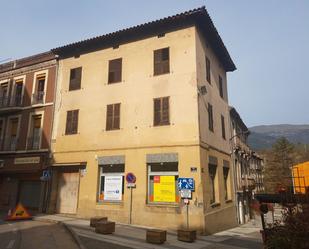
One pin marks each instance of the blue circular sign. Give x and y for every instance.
(131, 178)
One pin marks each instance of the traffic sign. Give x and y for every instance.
(46, 174)
(19, 213)
(185, 183)
(185, 194)
(130, 178)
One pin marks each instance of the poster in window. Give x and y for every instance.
(113, 188)
(164, 189)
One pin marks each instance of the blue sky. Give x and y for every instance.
(267, 39)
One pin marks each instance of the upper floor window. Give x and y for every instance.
(4, 94)
(161, 61)
(72, 122)
(208, 78)
(1, 132)
(34, 138)
(210, 118)
(18, 91)
(75, 78)
(223, 126)
(39, 91)
(213, 180)
(221, 87)
(113, 117)
(114, 71)
(226, 181)
(161, 111)
(11, 136)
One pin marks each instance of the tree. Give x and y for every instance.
(278, 163)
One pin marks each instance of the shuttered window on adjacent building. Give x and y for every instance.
(114, 71)
(221, 87)
(223, 126)
(75, 78)
(72, 122)
(161, 61)
(113, 117)
(161, 111)
(208, 78)
(210, 118)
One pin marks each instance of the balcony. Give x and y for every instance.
(8, 104)
(33, 143)
(38, 98)
(10, 144)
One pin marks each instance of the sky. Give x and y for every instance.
(267, 39)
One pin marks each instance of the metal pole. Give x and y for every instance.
(130, 221)
(187, 216)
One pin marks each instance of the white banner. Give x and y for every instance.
(113, 188)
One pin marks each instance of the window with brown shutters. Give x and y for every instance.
(75, 78)
(208, 78)
(221, 87)
(161, 61)
(114, 71)
(223, 126)
(72, 122)
(210, 118)
(113, 117)
(161, 111)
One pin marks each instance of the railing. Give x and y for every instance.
(38, 98)
(10, 144)
(33, 143)
(6, 102)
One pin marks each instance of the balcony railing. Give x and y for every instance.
(6, 102)
(38, 98)
(10, 144)
(33, 143)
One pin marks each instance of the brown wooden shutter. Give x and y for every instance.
(72, 122)
(157, 112)
(165, 111)
(116, 123)
(75, 121)
(115, 71)
(68, 123)
(223, 126)
(109, 117)
(75, 78)
(208, 78)
(161, 61)
(210, 118)
(220, 87)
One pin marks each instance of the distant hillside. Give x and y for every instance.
(263, 136)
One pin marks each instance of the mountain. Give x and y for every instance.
(263, 136)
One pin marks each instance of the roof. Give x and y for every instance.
(26, 61)
(235, 115)
(198, 17)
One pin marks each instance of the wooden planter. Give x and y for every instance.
(94, 220)
(155, 236)
(186, 235)
(105, 227)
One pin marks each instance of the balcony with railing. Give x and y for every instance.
(8, 104)
(33, 143)
(38, 98)
(10, 144)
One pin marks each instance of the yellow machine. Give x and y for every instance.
(300, 173)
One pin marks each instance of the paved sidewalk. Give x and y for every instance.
(129, 236)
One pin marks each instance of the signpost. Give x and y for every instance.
(131, 179)
(186, 186)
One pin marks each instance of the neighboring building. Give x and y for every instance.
(248, 165)
(300, 175)
(26, 113)
(152, 100)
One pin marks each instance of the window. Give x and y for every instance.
(1, 132)
(4, 94)
(162, 182)
(72, 122)
(75, 78)
(11, 139)
(161, 61)
(220, 87)
(34, 138)
(111, 185)
(38, 95)
(161, 111)
(17, 98)
(210, 118)
(113, 117)
(212, 180)
(225, 177)
(114, 71)
(208, 78)
(223, 126)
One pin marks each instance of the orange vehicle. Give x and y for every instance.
(300, 173)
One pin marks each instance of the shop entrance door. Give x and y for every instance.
(29, 194)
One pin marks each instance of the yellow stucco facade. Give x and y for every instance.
(187, 136)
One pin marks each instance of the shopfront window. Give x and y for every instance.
(162, 182)
(111, 183)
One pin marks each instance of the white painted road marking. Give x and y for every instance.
(11, 244)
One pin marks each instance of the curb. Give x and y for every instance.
(67, 227)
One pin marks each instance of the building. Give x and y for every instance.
(300, 175)
(248, 166)
(26, 112)
(151, 100)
